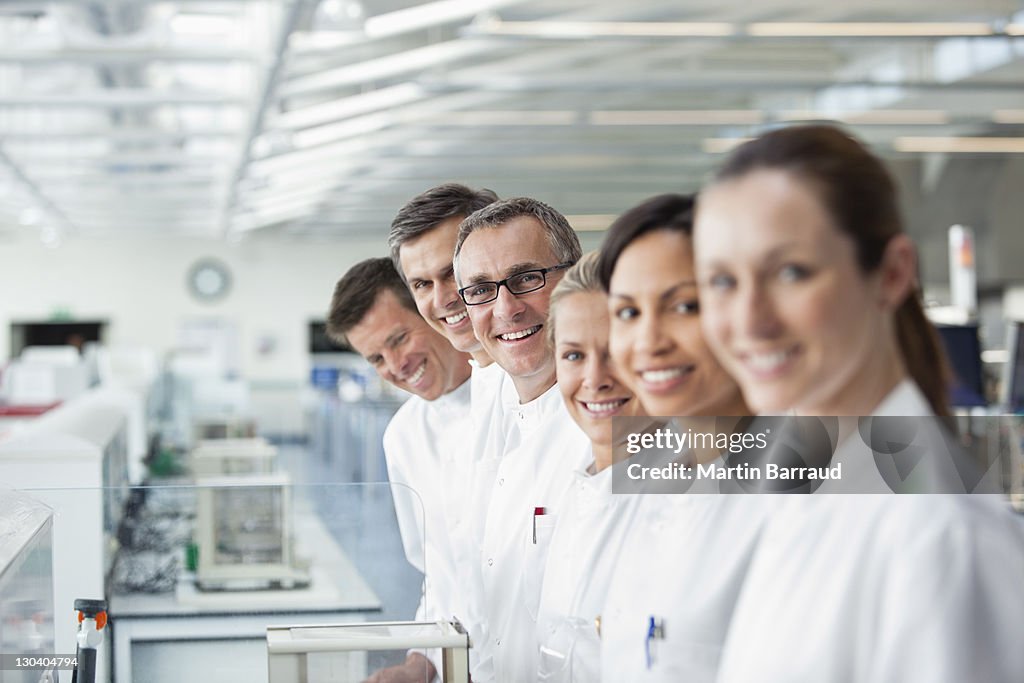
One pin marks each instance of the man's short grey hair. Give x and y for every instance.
(426, 211)
(564, 243)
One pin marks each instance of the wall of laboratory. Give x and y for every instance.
(139, 286)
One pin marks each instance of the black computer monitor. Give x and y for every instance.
(1013, 379)
(963, 348)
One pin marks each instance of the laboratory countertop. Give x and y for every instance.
(336, 586)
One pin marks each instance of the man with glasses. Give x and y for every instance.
(508, 258)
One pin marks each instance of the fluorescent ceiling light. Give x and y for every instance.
(1014, 29)
(677, 118)
(382, 68)
(959, 145)
(722, 145)
(893, 117)
(317, 41)
(346, 107)
(591, 222)
(867, 29)
(343, 130)
(429, 14)
(503, 118)
(592, 29)
(1008, 116)
(711, 29)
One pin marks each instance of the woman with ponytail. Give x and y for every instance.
(808, 286)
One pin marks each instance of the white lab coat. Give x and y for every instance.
(883, 588)
(468, 479)
(542, 446)
(682, 565)
(421, 449)
(585, 545)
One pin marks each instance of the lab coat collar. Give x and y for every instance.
(528, 416)
(905, 400)
(455, 403)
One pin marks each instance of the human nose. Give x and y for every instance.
(394, 361)
(650, 336)
(446, 297)
(507, 306)
(597, 374)
(755, 314)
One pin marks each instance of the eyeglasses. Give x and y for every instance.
(520, 283)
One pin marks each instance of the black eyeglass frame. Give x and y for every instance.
(497, 285)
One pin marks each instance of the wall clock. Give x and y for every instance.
(209, 280)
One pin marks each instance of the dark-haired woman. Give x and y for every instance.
(681, 567)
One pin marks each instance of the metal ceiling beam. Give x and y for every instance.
(115, 55)
(288, 26)
(694, 83)
(127, 134)
(125, 98)
(718, 30)
(42, 202)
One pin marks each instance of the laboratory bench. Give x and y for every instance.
(221, 635)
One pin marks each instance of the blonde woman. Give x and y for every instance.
(593, 522)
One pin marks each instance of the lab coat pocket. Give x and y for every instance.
(570, 651)
(535, 552)
(690, 661)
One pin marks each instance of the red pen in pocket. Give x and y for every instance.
(537, 512)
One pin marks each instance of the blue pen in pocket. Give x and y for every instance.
(655, 631)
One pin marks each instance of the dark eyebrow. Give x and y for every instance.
(667, 294)
(520, 267)
(509, 272)
(475, 279)
(772, 254)
(674, 289)
(390, 340)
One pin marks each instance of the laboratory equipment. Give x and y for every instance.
(213, 457)
(963, 348)
(204, 429)
(92, 620)
(26, 581)
(337, 653)
(45, 374)
(75, 458)
(244, 534)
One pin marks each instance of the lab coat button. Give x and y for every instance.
(490, 561)
(501, 482)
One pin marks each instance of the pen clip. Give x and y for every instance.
(536, 512)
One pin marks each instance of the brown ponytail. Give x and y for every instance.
(860, 195)
(923, 354)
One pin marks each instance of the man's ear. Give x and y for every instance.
(897, 273)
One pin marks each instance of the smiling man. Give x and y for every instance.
(508, 258)
(373, 311)
(422, 240)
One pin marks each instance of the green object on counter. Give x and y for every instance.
(165, 464)
(192, 557)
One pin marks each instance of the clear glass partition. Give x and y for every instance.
(194, 574)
